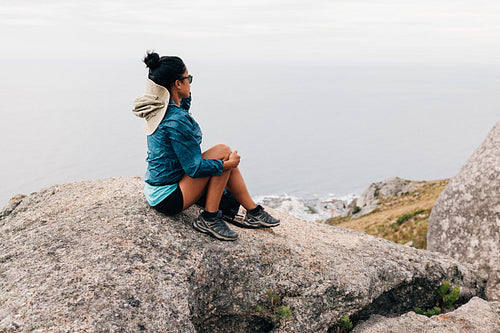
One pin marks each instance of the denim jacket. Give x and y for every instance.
(174, 149)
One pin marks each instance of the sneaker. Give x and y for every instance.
(261, 218)
(239, 221)
(215, 227)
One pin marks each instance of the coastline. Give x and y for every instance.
(312, 208)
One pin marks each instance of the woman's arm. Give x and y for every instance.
(187, 149)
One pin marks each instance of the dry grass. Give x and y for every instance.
(400, 219)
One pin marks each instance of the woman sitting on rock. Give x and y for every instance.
(178, 173)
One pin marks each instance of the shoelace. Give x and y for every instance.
(223, 228)
(219, 221)
(265, 216)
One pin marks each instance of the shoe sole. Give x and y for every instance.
(211, 232)
(269, 225)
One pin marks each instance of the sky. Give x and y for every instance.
(338, 31)
(410, 69)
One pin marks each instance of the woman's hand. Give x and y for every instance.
(234, 157)
(233, 161)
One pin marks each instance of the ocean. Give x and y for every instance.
(308, 130)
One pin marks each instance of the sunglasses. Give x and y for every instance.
(189, 77)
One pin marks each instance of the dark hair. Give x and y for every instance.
(165, 70)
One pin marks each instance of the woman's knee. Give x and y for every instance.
(223, 149)
(220, 151)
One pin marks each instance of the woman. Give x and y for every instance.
(178, 173)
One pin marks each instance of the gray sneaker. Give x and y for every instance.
(260, 219)
(241, 222)
(215, 227)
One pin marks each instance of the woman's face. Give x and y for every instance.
(185, 86)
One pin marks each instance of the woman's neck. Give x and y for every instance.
(176, 99)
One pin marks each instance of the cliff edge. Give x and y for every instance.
(92, 256)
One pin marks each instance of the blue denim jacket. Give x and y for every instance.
(174, 149)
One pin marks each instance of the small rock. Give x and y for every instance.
(477, 316)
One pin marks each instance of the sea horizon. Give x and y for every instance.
(316, 130)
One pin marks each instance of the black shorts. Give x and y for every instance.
(172, 204)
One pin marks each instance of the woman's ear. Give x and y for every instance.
(177, 84)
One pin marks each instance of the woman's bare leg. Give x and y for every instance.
(193, 188)
(218, 152)
(215, 188)
(257, 219)
(236, 185)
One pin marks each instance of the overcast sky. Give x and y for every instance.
(376, 31)
(346, 50)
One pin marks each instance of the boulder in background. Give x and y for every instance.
(465, 221)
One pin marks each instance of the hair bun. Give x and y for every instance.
(152, 60)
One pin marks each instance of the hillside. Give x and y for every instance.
(400, 219)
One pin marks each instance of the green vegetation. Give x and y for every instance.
(344, 325)
(405, 217)
(274, 308)
(447, 299)
(356, 210)
(273, 297)
(429, 313)
(282, 311)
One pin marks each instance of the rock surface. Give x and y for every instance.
(477, 316)
(394, 186)
(465, 221)
(350, 207)
(92, 256)
(12, 204)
